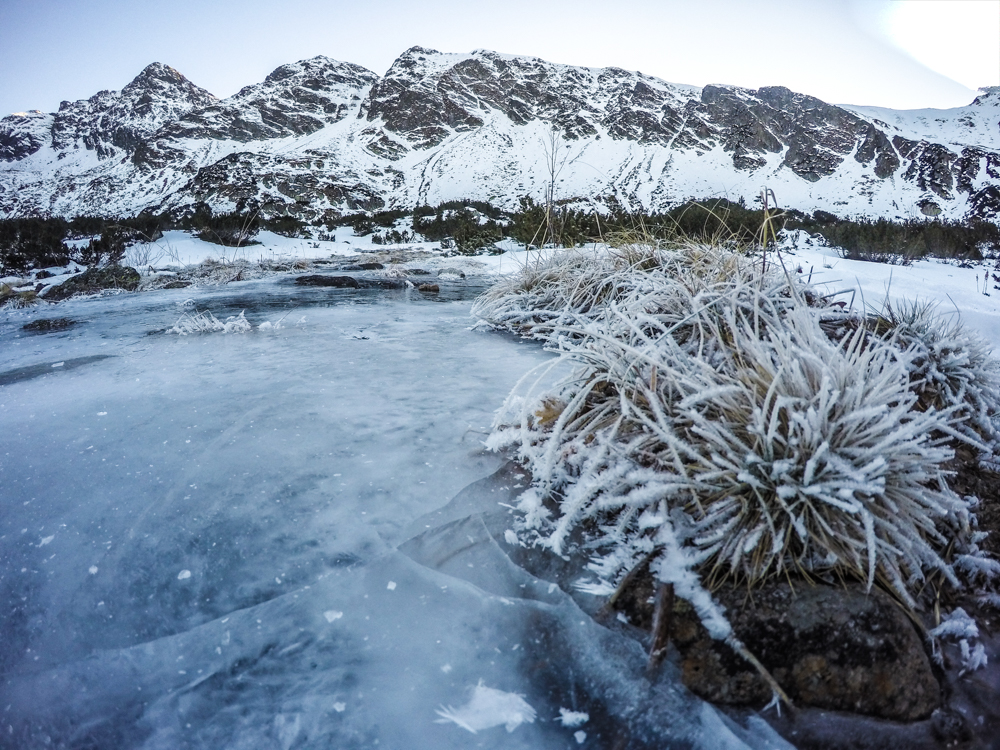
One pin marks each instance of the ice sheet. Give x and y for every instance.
(262, 539)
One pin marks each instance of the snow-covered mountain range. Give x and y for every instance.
(321, 136)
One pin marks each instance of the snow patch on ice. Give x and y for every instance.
(488, 708)
(571, 718)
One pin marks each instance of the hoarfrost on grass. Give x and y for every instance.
(732, 422)
(959, 627)
(206, 322)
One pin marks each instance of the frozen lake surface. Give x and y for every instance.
(269, 539)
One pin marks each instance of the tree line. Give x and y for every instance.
(475, 226)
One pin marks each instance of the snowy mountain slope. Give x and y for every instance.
(322, 136)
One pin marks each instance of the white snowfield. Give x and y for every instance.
(971, 292)
(261, 539)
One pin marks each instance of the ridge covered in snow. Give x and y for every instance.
(319, 138)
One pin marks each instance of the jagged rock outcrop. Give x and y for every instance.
(321, 136)
(22, 134)
(294, 100)
(114, 121)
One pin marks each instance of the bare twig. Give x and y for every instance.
(663, 617)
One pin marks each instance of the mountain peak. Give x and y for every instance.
(988, 95)
(323, 67)
(417, 50)
(156, 74)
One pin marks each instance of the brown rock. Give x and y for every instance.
(341, 282)
(832, 648)
(94, 280)
(428, 288)
(835, 648)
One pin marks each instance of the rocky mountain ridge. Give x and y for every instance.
(320, 138)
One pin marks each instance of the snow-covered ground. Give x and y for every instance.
(968, 290)
(245, 539)
(178, 248)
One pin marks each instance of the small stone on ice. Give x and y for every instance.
(391, 586)
(93, 570)
(332, 615)
(339, 707)
(183, 574)
(580, 736)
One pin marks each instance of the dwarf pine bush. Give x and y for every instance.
(728, 423)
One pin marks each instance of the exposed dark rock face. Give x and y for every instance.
(985, 203)
(413, 104)
(295, 99)
(23, 134)
(876, 145)
(247, 180)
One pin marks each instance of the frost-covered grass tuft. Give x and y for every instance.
(950, 366)
(206, 322)
(18, 300)
(729, 423)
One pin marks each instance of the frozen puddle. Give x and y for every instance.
(277, 539)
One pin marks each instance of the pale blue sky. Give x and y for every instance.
(845, 51)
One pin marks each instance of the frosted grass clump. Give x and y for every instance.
(530, 301)
(718, 424)
(206, 322)
(797, 453)
(949, 366)
(677, 286)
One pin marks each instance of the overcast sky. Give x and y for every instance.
(895, 53)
